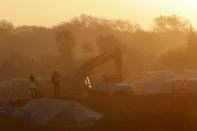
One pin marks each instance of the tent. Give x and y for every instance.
(60, 113)
(4, 100)
(14, 112)
(155, 82)
(14, 88)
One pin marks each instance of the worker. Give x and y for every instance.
(56, 80)
(32, 84)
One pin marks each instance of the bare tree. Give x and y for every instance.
(108, 42)
(171, 23)
(6, 26)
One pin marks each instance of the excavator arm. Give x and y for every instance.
(81, 76)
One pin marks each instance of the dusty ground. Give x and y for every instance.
(125, 113)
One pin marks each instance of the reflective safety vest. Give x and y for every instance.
(32, 84)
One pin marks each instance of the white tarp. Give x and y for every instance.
(4, 100)
(14, 112)
(14, 88)
(60, 113)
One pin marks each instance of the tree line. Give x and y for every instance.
(171, 44)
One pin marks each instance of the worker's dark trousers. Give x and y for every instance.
(33, 92)
(56, 89)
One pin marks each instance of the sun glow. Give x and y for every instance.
(187, 5)
(50, 12)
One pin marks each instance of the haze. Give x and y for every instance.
(52, 12)
(98, 65)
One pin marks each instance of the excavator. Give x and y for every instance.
(82, 79)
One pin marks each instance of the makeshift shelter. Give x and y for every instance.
(60, 113)
(14, 88)
(14, 112)
(153, 83)
(4, 100)
(152, 87)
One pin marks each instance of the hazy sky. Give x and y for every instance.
(51, 12)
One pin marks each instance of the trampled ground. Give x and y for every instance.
(125, 113)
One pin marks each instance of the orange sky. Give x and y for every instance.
(51, 12)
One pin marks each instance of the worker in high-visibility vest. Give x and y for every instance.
(32, 84)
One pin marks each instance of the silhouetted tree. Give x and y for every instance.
(172, 43)
(171, 23)
(191, 49)
(192, 41)
(125, 26)
(6, 26)
(65, 44)
(108, 42)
